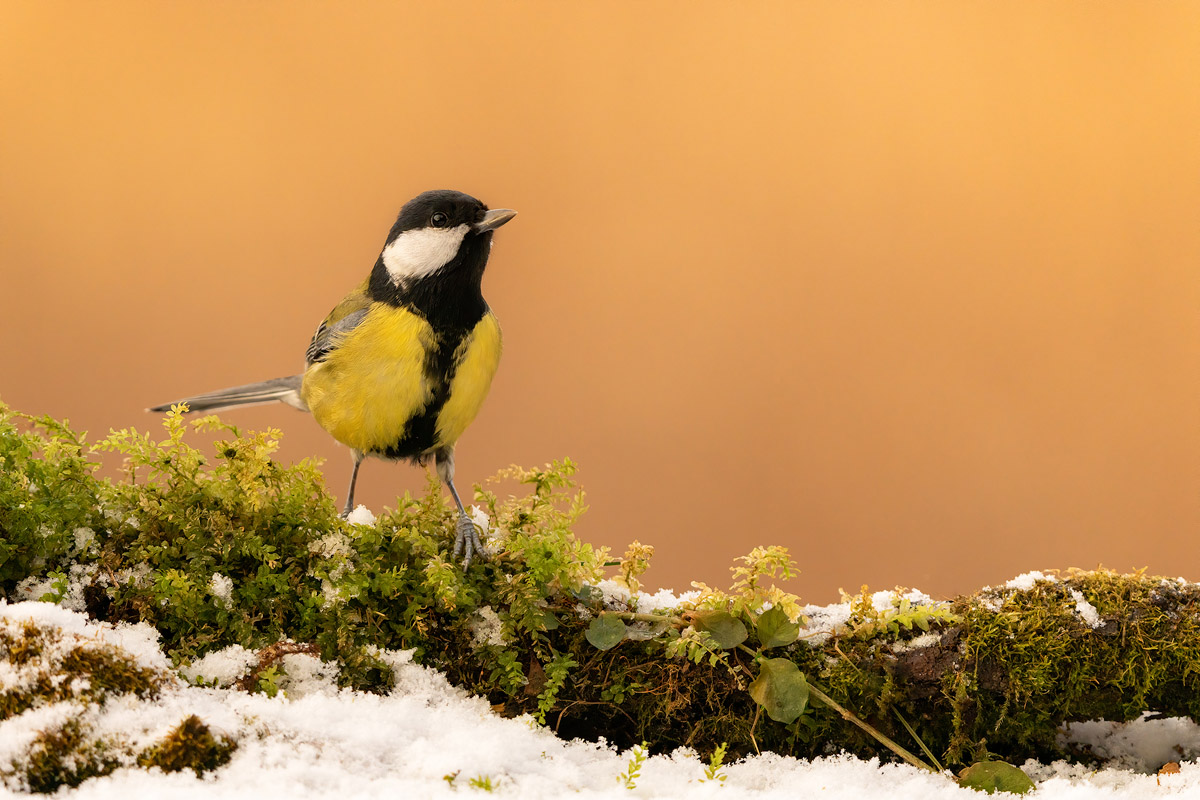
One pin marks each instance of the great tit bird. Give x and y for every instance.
(400, 367)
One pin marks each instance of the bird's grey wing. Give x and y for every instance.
(329, 335)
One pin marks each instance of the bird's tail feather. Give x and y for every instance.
(283, 390)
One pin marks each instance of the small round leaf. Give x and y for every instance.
(780, 688)
(605, 632)
(995, 776)
(775, 629)
(726, 629)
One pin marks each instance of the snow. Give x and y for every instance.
(138, 640)
(1141, 744)
(887, 600)
(916, 643)
(20, 731)
(480, 518)
(305, 674)
(1087, 611)
(221, 667)
(429, 739)
(77, 577)
(823, 621)
(85, 540)
(361, 515)
(616, 593)
(486, 628)
(221, 588)
(1025, 582)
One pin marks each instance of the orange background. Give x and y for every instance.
(912, 288)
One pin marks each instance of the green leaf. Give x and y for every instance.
(605, 632)
(726, 629)
(995, 776)
(776, 630)
(780, 688)
(589, 594)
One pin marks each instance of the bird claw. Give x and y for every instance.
(466, 540)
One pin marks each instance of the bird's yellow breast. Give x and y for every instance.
(371, 389)
(476, 361)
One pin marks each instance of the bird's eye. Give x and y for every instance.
(439, 220)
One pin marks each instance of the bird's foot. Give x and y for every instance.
(466, 540)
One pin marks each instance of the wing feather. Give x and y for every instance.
(345, 317)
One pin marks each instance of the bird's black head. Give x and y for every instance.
(436, 252)
(438, 209)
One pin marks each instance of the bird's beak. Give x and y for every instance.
(494, 219)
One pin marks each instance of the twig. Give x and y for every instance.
(849, 716)
(913, 733)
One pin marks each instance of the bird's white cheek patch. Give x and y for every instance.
(415, 254)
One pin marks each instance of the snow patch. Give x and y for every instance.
(221, 667)
(138, 640)
(72, 586)
(221, 588)
(334, 544)
(1087, 611)
(480, 518)
(486, 628)
(1024, 583)
(887, 600)
(361, 515)
(917, 643)
(823, 621)
(85, 540)
(1141, 745)
(617, 594)
(305, 674)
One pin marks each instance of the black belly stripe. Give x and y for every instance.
(420, 434)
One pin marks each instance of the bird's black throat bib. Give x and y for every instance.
(451, 298)
(451, 301)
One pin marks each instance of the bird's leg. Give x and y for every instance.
(358, 457)
(466, 536)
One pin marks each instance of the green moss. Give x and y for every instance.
(22, 646)
(1033, 663)
(111, 672)
(47, 492)
(65, 757)
(71, 754)
(191, 745)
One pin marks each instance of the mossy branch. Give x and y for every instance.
(232, 548)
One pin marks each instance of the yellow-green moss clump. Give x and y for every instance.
(63, 756)
(191, 745)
